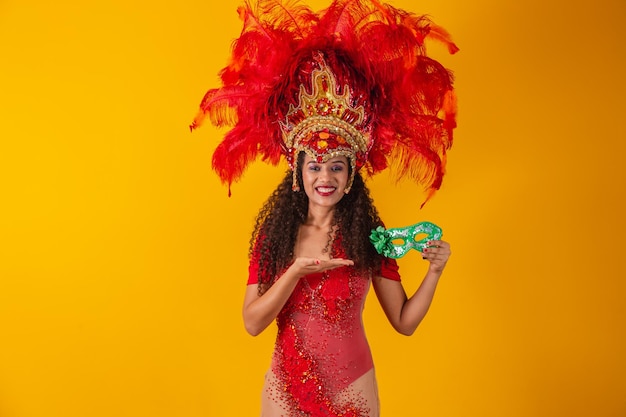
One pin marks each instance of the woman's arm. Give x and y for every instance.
(405, 314)
(260, 311)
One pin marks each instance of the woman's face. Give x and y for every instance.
(325, 182)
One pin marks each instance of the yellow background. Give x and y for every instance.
(123, 262)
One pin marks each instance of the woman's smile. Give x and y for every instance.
(325, 190)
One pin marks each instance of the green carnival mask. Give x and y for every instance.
(382, 238)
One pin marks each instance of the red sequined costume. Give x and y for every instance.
(322, 365)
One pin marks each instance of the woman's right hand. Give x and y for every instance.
(303, 265)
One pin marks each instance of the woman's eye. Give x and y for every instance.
(314, 168)
(337, 168)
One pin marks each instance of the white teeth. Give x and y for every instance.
(325, 189)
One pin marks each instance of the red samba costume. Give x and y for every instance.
(352, 80)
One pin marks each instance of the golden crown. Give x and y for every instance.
(325, 124)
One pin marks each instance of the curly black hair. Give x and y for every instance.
(277, 224)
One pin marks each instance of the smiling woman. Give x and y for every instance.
(310, 270)
(331, 106)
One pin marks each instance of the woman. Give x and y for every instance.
(336, 93)
(322, 364)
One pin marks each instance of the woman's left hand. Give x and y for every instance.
(437, 253)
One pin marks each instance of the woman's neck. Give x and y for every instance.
(320, 217)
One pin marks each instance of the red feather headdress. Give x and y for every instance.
(352, 79)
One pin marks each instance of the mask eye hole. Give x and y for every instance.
(398, 242)
(421, 237)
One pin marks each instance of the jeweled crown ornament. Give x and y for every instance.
(326, 124)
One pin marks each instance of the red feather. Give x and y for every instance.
(289, 16)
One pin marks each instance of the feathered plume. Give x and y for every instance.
(375, 48)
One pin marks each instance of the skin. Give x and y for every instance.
(324, 184)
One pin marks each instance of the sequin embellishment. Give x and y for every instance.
(321, 348)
